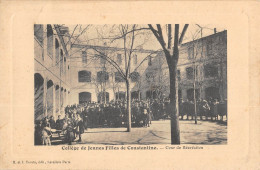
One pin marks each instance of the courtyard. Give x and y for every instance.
(205, 132)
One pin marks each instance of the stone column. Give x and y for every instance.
(44, 96)
(54, 102)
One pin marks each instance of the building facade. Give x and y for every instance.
(51, 76)
(95, 79)
(202, 66)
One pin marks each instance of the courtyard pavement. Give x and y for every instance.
(205, 132)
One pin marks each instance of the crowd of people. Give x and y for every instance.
(113, 114)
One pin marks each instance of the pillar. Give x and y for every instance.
(44, 96)
(54, 102)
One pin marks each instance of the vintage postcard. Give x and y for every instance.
(129, 85)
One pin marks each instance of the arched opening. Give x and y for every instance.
(136, 95)
(38, 32)
(38, 96)
(212, 93)
(49, 97)
(103, 97)
(102, 76)
(180, 96)
(65, 66)
(61, 61)
(50, 40)
(84, 97)
(190, 94)
(84, 76)
(84, 57)
(118, 77)
(151, 94)
(57, 96)
(135, 76)
(120, 95)
(61, 99)
(57, 45)
(65, 98)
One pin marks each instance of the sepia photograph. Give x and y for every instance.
(130, 84)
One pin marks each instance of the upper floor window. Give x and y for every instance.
(135, 76)
(84, 57)
(135, 59)
(210, 70)
(150, 76)
(149, 60)
(57, 51)
(50, 40)
(179, 75)
(102, 76)
(65, 65)
(209, 46)
(38, 32)
(102, 59)
(189, 73)
(119, 58)
(84, 76)
(118, 77)
(190, 52)
(61, 61)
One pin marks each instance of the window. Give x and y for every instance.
(65, 65)
(190, 52)
(149, 60)
(57, 56)
(190, 94)
(210, 70)
(179, 75)
(49, 40)
(84, 97)
(119, 58)
(189, 73)
(102, 60)
(38, 32)
(102, 76)
(135, 76)
(84, 57)
(209, 46)
(149, 76)
(61, 61)
(135, 59)
(84, 76)
(118, 77)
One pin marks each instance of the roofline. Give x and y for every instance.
(211, 35)
(113, 48)
(61, 38)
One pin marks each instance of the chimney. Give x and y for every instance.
(215, 30)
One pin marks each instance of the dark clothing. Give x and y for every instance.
(70, 134)
(59, 124)
(52, 124)
(80, 127)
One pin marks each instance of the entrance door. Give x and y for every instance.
(84, 97)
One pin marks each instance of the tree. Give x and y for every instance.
(172, 56)
(125, 35)
(196, 50)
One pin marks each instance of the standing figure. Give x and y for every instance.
(46, 134)
(38, 133)
(52, 123)
(70, 132)
(59, 125)
(79, 127)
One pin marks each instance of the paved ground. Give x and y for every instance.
(205, 132)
